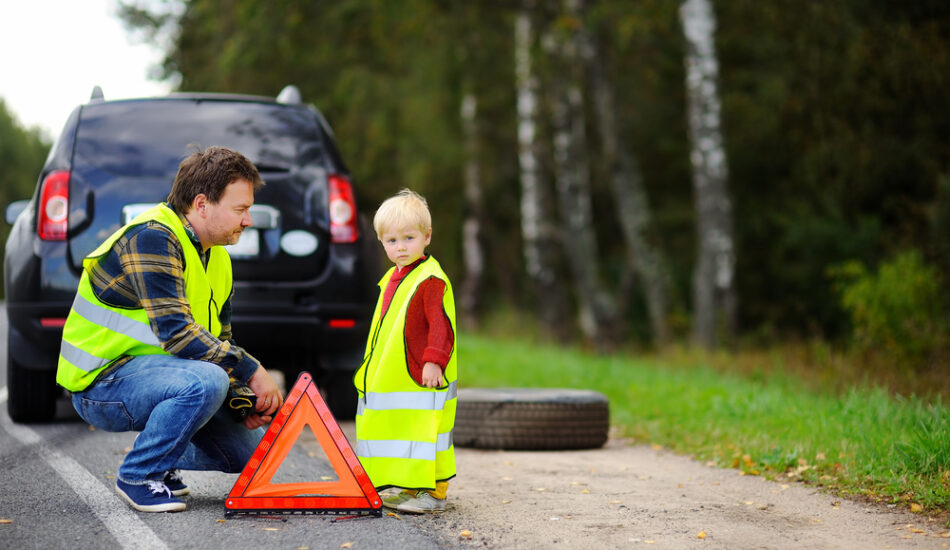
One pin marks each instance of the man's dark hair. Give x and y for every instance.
(209, 172)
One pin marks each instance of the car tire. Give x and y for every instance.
(32, 393)
(531, 419)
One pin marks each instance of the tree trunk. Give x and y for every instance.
(630, 198)
(536, 211)
(714, 289)
(598, 314)
(472, 254)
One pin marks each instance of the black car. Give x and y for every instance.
(304, 274)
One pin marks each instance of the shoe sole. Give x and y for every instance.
(409, 509)
(182, 492)
(167, 507)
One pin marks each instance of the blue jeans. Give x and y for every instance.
(176, 404)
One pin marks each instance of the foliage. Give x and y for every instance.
(896, 310)
(863, 441)
(22, 152)
(834, 121)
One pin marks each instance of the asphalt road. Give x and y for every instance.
(57, 491)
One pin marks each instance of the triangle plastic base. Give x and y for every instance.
(351, 494)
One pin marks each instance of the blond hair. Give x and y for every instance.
(405, 209)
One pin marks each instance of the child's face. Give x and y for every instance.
(406, 245)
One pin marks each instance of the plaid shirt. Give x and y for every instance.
(145, 269)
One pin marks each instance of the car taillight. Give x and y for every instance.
(54, 207)
(343, 214)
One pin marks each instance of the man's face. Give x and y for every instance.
(406, 245)
(226, 220)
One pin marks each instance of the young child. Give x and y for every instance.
(408, 380)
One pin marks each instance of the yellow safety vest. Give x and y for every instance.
(96, 333)
(404, 430)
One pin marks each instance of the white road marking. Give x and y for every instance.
(130, 531)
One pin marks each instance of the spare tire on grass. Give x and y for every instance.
(531, 419)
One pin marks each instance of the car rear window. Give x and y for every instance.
(151, 137)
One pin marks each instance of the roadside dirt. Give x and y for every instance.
(633, 496)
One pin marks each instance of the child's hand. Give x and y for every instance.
(431, 375)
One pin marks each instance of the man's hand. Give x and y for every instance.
(431, 375)
(269, 399)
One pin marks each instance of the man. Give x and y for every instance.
(147, 344)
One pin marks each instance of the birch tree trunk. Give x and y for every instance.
(630, 198)
(472, 254)
(598, 314)
(714, 289)
(536, 204)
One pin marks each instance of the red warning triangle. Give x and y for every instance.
(352, 493)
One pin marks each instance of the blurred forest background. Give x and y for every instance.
(627, 173)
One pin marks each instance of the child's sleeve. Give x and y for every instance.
(441, 337)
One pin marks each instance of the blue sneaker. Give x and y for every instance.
(154, 496)
(175, 483)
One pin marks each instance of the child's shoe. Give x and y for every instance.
(394, 501)
(423, 503)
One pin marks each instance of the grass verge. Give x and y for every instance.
(861, 441)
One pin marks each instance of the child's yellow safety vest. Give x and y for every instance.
(403, 429)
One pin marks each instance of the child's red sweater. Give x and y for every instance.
(429, 335)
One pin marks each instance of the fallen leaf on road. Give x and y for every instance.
(916, 530)
(506, 502)
(540, 489)
(506, 478)
(465, 534)
(392, 514)
(326, 478)
(916, 508)
(346, 545)
(701, 535)
(271, 529)
(836, 503)
(5, 520)
(585, 491)
(656, 448)
(221, 520)
(649, 542)
(945, 535)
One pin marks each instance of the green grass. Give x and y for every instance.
(861, 441)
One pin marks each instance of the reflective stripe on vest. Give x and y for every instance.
(96, 334)
(395, 448)
(423, 401)
(404, 430)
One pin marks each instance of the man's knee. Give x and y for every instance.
(207, 382)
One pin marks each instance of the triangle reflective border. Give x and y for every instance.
(351, 494)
